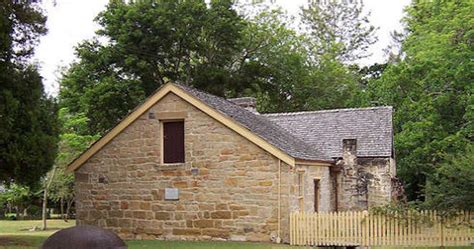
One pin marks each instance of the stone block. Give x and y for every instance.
(187, 231)
(81, 177)
(236, 207)
(231, 182)
(222, 206)
(145, 205)
(180, 184)
(203, 223)
(221, 215)
(216, 233)
(265, 183)
(206, 207)
(139, 214)
(237, 214)
(162, 215)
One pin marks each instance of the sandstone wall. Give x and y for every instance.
(364, 183)
(233, 196)
(308, 175)
(378, 174)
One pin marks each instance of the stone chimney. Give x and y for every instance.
(248, 103)
(353, 194)
(349, 147)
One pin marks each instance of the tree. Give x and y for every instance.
(149, 42)
(58, 185)
(339, 27)
(28, 129)
(289, 76)
(22, 22)
(451, 186)
(274, 60)
(72, 143)
(17, 198)
(431, 89)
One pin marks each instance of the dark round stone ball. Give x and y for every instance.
(84, 237)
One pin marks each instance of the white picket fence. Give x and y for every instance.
(423, 228)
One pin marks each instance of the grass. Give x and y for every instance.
(16, 235)
(149, 244)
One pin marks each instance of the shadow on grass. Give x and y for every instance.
(21, 241)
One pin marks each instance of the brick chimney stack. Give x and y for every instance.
(248, 103)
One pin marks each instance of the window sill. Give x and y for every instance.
(170, 166)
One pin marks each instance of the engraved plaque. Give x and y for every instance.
(171, 194)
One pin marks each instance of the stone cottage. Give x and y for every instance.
(186, 164)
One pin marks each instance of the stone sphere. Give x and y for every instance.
(84, 237)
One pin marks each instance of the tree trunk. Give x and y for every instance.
(25, 212)
(61, 203)
(17, 213)
(45, 198)
(68, 206)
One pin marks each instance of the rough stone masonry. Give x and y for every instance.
(233, 195)
(228, 188)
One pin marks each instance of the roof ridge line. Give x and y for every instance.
(325, 111)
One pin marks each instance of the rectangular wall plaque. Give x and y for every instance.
(171, 194)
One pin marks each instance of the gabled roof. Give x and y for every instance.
(257, 129)
(261, 126)
(325, 130)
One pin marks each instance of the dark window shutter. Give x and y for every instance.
(173, 142)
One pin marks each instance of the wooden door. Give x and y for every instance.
(316, 195)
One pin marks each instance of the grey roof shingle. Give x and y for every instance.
(325, 130)
(261, 126)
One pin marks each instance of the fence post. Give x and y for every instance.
(366, 228)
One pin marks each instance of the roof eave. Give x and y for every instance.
(312, 162)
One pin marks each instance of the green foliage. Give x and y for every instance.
(71, 144)
(150, 42)
(451, 187)
(275, 59)
(431, 89)
(21, 24)
(339, 28)
(16, 197)
(290, 77)
(28, 128)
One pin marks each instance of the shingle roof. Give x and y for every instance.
(260, 125)
(325, 130)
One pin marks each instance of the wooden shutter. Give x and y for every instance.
(173, 142)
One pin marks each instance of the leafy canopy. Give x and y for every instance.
(431, 88)
(339, 28)
(28, 127)
(148, 43)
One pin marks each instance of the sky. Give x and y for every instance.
(71, 21)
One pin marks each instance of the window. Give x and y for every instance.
(301, 188)
(173, 142)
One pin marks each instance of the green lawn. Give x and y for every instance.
(15, 235)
